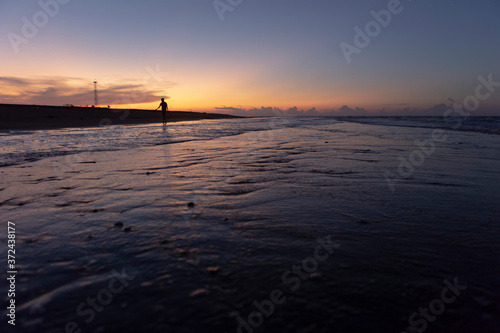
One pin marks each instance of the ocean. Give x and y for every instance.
(297, 224)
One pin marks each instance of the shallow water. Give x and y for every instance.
(264, 192)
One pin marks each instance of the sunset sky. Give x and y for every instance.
(253, 54)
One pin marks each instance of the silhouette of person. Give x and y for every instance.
(164, 109)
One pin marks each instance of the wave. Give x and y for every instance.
(18, 147)
(478, 124)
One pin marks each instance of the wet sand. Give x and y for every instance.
(117, 227)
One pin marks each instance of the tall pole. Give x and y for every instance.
(95, 94)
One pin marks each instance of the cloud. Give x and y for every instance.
(434, 111)
(77, 91)
(293, 111)
(16, 81)
(313, 112)
(255, 112)
(437, 110)
(266, 112)
(231, 109)
(347, 111)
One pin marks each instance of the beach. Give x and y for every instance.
(33, 117)
(293, 224)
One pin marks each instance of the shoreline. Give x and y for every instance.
(37, 117)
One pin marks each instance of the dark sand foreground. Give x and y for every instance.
(31, 117)
(106, 241)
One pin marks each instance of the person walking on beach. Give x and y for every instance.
(164, 109)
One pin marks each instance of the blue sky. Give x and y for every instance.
(278, 54)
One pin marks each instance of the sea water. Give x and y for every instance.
(400, 208)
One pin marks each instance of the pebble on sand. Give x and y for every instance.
(213, 269)
(199, 292)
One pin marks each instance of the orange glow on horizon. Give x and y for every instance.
(202, 93)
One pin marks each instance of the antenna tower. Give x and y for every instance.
(96, 100)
